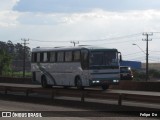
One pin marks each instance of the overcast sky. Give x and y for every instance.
(107, 23)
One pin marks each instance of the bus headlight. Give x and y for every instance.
(95, 81)
(115, 80)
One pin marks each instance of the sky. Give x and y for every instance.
(105, 23)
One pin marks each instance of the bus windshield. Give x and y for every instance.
(103, 59)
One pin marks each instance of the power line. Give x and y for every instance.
(113, 38)
(153, 51)
(155, 60)
(46, 41)
(139, 52)
(139, 48)
(137, 58)
(109, 39)
(120, 42)
(155, 32)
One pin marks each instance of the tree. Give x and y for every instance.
(10, 47)
(18, 52)
(15, 50)
(3, 46)
(12, 52)
(5, 61)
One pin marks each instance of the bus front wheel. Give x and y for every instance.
(44, 83)
(79, 83)
(105, 87)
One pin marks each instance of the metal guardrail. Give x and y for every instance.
(123, 85)
(82, 94)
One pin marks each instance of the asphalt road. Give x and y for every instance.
(72, 110)
(62, 110)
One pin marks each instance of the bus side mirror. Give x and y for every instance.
(120, 56)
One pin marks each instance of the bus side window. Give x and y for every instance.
(38, 57)
(68, 56)
(60, 56)
(76, 56)
(45, 58)
(34, 57)
(84, 59)
(52, 57)
(48, 56)
(41, 57)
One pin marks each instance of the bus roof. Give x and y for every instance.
(91, 48)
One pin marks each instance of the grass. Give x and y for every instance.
(17, 74)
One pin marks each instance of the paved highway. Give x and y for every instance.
(142, 96)
(7, 105)
(21, 103)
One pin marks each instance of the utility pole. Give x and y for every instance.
(74, 43)
(147, 35)
(24, 54)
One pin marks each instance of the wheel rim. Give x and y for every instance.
(43, 82)
(79, 82)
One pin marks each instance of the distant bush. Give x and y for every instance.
(140, 76)
(154, 73)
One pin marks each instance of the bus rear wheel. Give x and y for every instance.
(79, 83)
(105, 87)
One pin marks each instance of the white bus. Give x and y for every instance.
(80, 66)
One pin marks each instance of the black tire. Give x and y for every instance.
(79, 83)
(105, 87)
(44, 83)
(65, 87)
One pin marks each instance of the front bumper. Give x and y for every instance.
(126, 77)
(98, 82)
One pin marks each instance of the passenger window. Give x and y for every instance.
(52, 57)
(41, 57)
(38, 57)
(48, 56)
(68, 56)
(45, 58)
(60, 57)
(34, 57)
(76, 56)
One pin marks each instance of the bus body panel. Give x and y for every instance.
(62, 73)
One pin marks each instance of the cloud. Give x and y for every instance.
(95, 24)
(7, 16)
(7, 4)
(92, 16)
(29, 18)
(74, 6)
